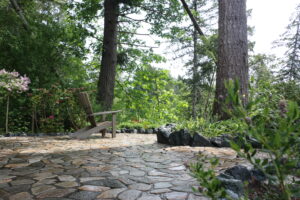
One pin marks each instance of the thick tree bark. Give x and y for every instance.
(232, 51)
(107, 75)
(195, 67)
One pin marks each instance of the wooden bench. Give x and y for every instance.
(95, 127)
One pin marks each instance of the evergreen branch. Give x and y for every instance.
(19, 11)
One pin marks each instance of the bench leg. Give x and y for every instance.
(103, 131)
(114, 125)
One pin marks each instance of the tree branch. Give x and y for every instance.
(20, 13)
(134, 33)
(143, 46)
(196, 25)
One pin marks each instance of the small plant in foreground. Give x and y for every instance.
(277, 129)
(206, 176)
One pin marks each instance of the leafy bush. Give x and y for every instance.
(211, 129)
(46, 110)
(56, 109)
(277, 129)
(138, 124)
(206, 176)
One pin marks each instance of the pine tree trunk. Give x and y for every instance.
(195, 66)
(106, 83)
(232, 51)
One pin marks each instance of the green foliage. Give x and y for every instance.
(51, 51)
(57, 109)
(277, 128)
(206, 176)
(211, 128)
(151, 95)
(138, 125)
(46, 110)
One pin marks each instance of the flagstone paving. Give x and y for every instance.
(128, 167)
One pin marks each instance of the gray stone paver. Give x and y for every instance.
(131, 166)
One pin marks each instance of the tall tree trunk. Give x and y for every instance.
(106, 83)
(232, 51)
(194, 69)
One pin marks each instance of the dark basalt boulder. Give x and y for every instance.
(200, 141)
(180, 138)
(141, 130)
(163, 134)
(239, 172)
(149, 131)
(234, 185)
(221, 141)
(258, 175)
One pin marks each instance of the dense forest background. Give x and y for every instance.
(59, 46)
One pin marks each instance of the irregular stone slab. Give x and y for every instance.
(110, 194)
(4, 194)
(129, 195)
(35, 159)
(156, 173)
(67, 184)
(149, 197)
(137, 173)
(37, 165)
(21, 196)
(16, 165)
(18, 189)
(112, 183)
(3, 185)
(194, 197)
(55, 193)
(44, 182)
(86, 195)
(160, 191)
(64, 178)
(41, 189)
(140, 186)
(44, 175)
(24, 171)
(184, 188)
(155, 179)
(178, 168)
(176, 195)
(86, 179)
(57, 199)
(94, 188)
(123, 172)
(161, 185)
(22, 181)
(141, 179)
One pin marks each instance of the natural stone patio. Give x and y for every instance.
(131, 166)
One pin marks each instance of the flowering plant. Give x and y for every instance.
(12, 81)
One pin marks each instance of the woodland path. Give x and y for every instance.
(128, 167)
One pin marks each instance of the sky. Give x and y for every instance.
(269, 19)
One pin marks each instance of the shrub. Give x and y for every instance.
(277, 128)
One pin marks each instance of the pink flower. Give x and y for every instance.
(51, 117)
